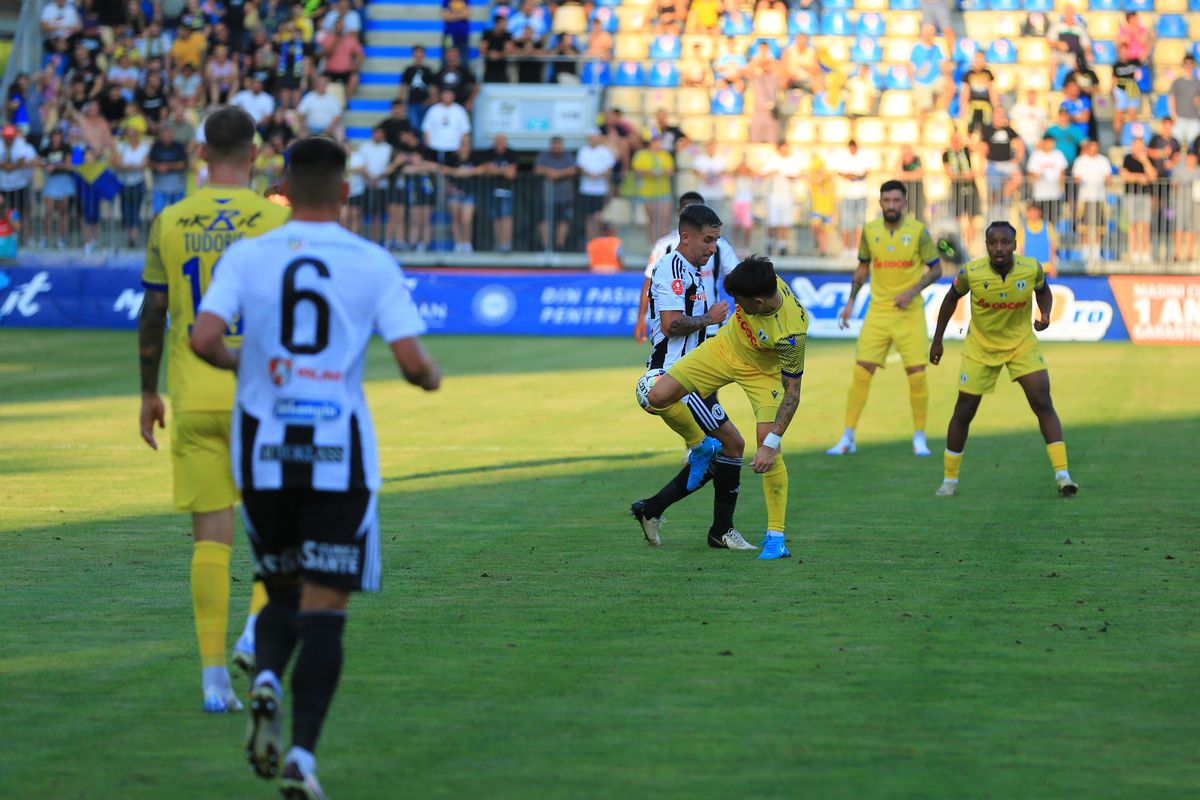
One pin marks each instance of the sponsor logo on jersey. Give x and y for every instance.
(302, 453)
(892, 264)
(985, 304)
(289, 409)
(280, 370)
(310, 374)
(762, 335)
(338, 559)
(677, 286)
(1020, 286)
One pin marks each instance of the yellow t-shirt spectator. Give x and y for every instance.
(190, 51)
(654, 169)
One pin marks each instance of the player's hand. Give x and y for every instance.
(844, 317)
(764, 459)
(152, 411)
(1041, 323)
(935, 352)
(639, 330)
(718, 312)
(904, 299)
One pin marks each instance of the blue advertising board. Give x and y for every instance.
(541, 303)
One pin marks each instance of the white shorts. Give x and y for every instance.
(781, 211)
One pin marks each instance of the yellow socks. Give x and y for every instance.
(210, 600)
(1058, 456)
(775, 489)
(952, 462)
(860, 386)
(680, 420)
(918, 395)
(258, 598)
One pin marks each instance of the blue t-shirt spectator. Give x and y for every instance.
(1067, 139)
(1075, 107)
(927, 63)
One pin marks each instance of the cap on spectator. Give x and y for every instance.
(8, 131)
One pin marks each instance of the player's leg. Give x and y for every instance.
(1036, 385)
(763, 391)
(912, 342)
(956, 440)
(874, 342)
(726, 473)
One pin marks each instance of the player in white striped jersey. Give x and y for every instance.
(309, 295)
(712, 272)
(681, 313)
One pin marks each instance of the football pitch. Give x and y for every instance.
(1005, 643)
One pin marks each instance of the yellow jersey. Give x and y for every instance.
(186, 240)
(898, 259)
(772, 341)
(1001, 308)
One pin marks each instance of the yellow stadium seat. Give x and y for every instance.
(898, 51)
(731, 129)
(838, 49)
(770, 22)
(896, 104)
(1103, 25)
(1004, 26)
(639, 3)
(1037, 77)
(626, 98)
(569, 18)
(1163, 79)
(1194, 27)
(1031, 52)
(937, 186)
(734, 153)
(937, 131)
(1169, 52)
(904, 131)
(692, 100)
(632, 19)
(1006, 79)
(833, 130)
(1171, 6)
(904, 24)
(630, 47)
(871, 5)
(874, 158)
(801, 130)
(978, 25)
(698, 129)
(870, 131)
(654, 99)
(689, 41)
(758, 155)
(931, 159)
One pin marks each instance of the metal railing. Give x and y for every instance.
(1134, 229)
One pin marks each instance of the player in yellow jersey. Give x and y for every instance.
(901, 260)
(1002, 287)
(761, 349)
(186, 240)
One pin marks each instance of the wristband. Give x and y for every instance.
(772, 440)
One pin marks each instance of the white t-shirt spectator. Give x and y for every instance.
(319, 110)
(61, 20)
(855, 164)
(784, 172)
(712, 171)
(1029, 122)
(594, 159)
(1093, 173)
(21, 150)
(259, 106)
(1049, 168)
(353, 22)
(445, 125)
(358, 183)
(376, 157)
(131, 161)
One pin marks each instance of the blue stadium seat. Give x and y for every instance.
(1104, 5)
(1145, 80)
(1137, 5)
(865, 50)
(776, 50)
(662, 74)
(821, 107)
(871, 25)
(837, 5)
(964, 50)
(628, 73)
(1133, 129)
(904, 5)
(836, 23)
(739, 24)
(802, 22)
(730, 60)
(1060, 75)
(595, 73)
(1105, 53)
(1172, 26)
(607, 19)
(897, 78)
(606, 3)
(1193, 5)
(1001, 51)
(727, 102)
(665, 47)
(1044, 6)
(1160, 107)
(1196, 50)
(1004, 5)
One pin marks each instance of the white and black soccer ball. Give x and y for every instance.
(644, 385)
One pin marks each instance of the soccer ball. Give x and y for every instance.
(644, 385)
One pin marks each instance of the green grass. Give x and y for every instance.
(1003, 644)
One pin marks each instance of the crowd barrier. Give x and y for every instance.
(1146, 309)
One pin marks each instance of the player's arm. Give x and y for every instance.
(791, 369)
(399, 323)
(416, 365)
(1045, 302)
(676, 323)
(152, 326)
(933, 270)
(857, 280)
(208, 342)
(639, 326)
(949, 304)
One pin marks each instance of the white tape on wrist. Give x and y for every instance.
(772, 440)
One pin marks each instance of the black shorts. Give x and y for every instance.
(591, 204)
(326, 538)
(707, 411)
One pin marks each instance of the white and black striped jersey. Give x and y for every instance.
(711, 274)
(309, 296)
(675, 286)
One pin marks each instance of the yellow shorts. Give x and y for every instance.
(904, 329)
(711, 366)
(200, 457)
(979, 378)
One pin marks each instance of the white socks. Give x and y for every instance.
(774, 533)
(303, 759)
(215, 678)
(1062, 473)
